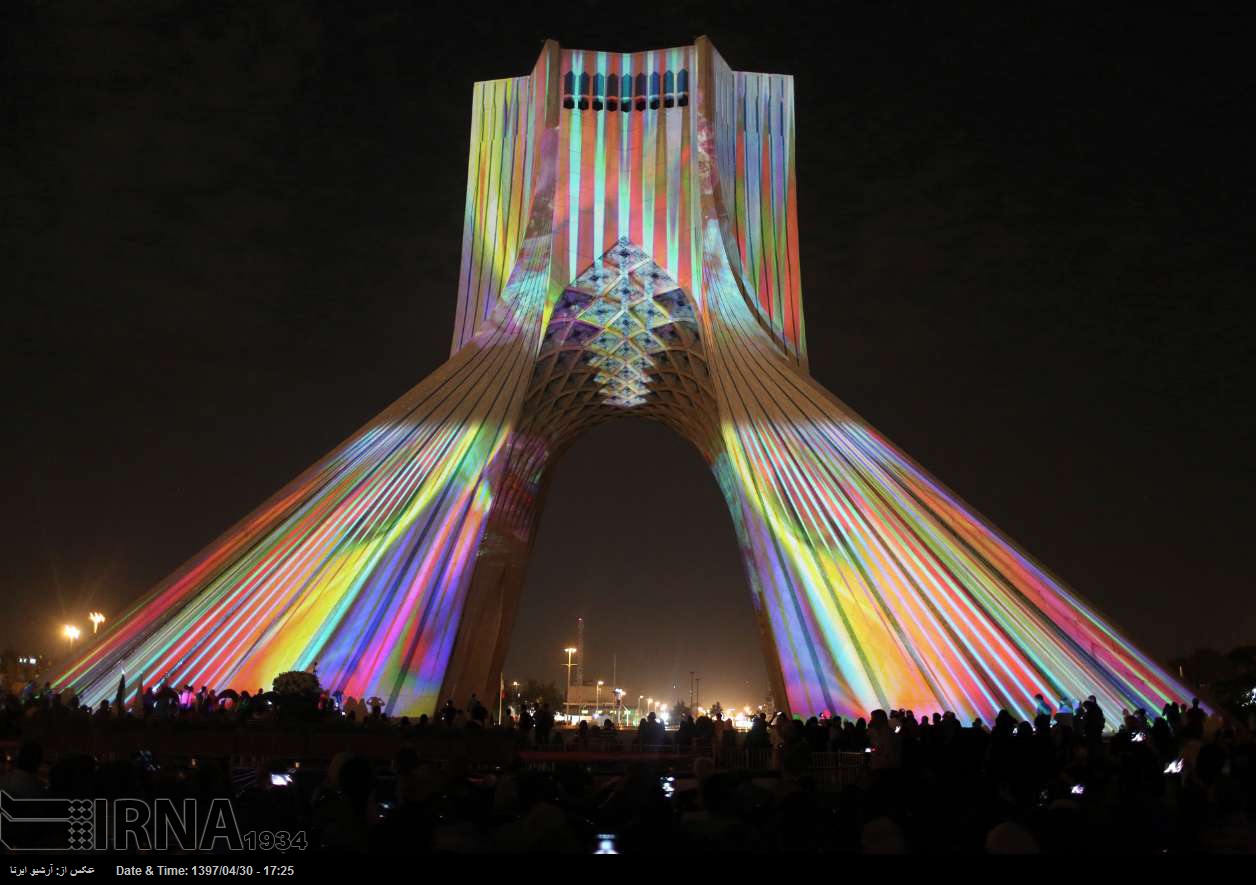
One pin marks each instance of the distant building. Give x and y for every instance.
(585, 700)
(19, 668)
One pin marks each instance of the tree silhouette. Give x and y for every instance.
(535, 693)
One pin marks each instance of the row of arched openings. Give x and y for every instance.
(615, 93)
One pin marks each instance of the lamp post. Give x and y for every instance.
(567, 698)
(597, 695)
(97, 619)
(619, 706)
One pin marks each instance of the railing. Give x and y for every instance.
(839, 769)
(247, 747)
(833, 769)
(747, 760)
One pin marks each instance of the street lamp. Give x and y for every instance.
(597, 694)
(567, 699)
(71, 633)
(97, 619)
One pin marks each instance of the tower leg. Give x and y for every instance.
(361, 565)
(493, 597)
(882, 588)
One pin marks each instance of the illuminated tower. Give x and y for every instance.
(630, 247)
(579, 651)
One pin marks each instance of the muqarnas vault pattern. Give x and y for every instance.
(630, 247)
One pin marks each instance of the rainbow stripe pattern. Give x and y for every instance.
(630, 246)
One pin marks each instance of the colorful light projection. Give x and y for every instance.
(630, 246)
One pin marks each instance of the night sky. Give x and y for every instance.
(230, 235)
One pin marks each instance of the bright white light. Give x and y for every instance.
(1078, 790)
(1174, 767)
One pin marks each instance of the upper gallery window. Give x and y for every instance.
(615, 93)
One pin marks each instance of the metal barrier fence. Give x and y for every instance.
(246, 748)
(747, 760)
(839, 769)
(830, 769)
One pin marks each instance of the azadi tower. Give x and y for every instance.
(630, 247)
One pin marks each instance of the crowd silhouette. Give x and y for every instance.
(1071, 780)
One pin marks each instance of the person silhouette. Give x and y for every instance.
(544, 724)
